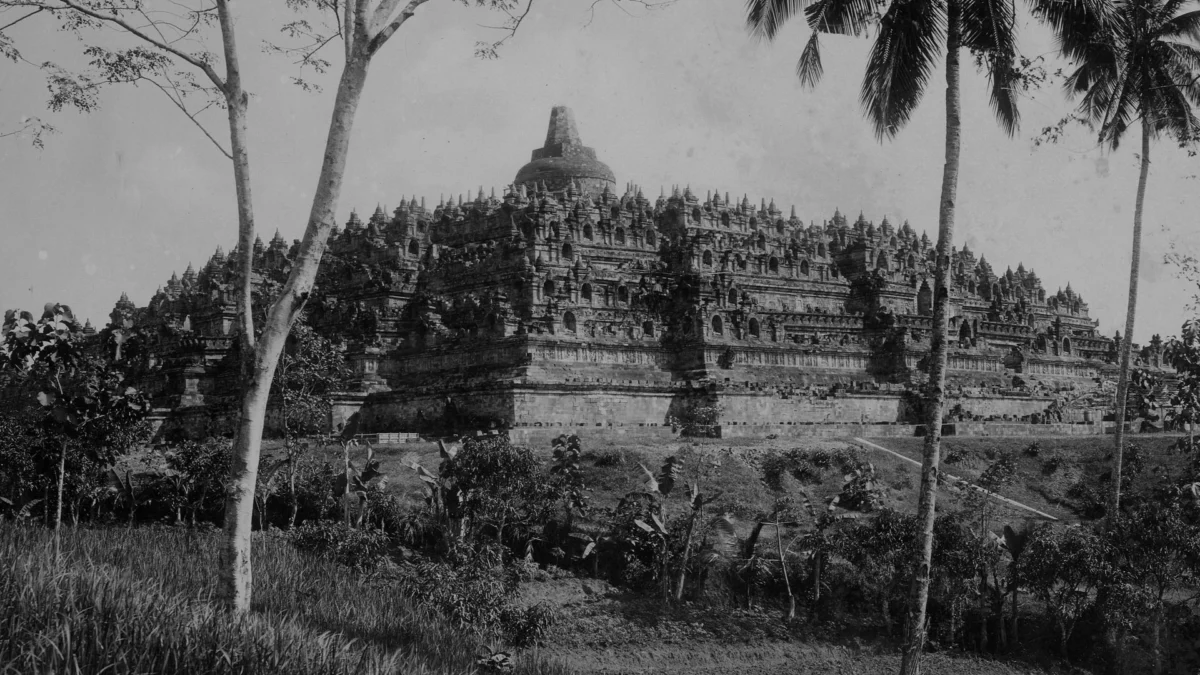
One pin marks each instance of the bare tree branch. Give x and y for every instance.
(648, 5)
(35, 127)
(190, 115)
(13, 23)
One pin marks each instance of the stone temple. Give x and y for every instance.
(570, 301)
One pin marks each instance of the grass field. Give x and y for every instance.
(138, 601)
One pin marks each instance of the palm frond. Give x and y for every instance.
(1168, 9)
(911, 36)
(1176, 96)
(809, 68)
(842, 17)
(1076, 23)
(764, 18)
(1183, 26)
(988, 28)
(1183, 66)
(1122, 108)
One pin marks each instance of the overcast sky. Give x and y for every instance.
(122, 197)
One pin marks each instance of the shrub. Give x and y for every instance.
(356, 548)
(506, 491)
(476, 591)
(527, 626)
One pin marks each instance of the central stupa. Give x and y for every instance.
(564, 158)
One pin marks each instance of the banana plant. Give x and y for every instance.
(658, 529)
(123, 491)
(860, 490)
(354, 484)
(444, 496)
(266, 488)
(697, 502)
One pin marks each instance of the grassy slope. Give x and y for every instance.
(1081, 458)
(135, 601)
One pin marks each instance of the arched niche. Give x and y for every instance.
(706, 258)
(925, 300)
(754, 328)
(585, 292)
(569, 322)
(718, 325)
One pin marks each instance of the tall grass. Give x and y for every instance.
(140, 601)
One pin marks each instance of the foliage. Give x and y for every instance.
(88, 415)
(1062, 567)
(310, 369)
(476, 590)
(359, 548)
(505, 489)
(566, 453)
(197, 471)
(809, 466)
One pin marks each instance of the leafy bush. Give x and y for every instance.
(528, 626)
(476, 591)
(505, 490)
(357, 548)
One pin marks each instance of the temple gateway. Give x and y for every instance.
(568, 301)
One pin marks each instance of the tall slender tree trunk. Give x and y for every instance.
(1114, 502)
(787, 582)
(681, 581)
(1016, 638)
(914, 638)
(237, 103)
(236, 579)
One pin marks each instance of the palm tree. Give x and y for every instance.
(1138, 63)
(910, 36)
